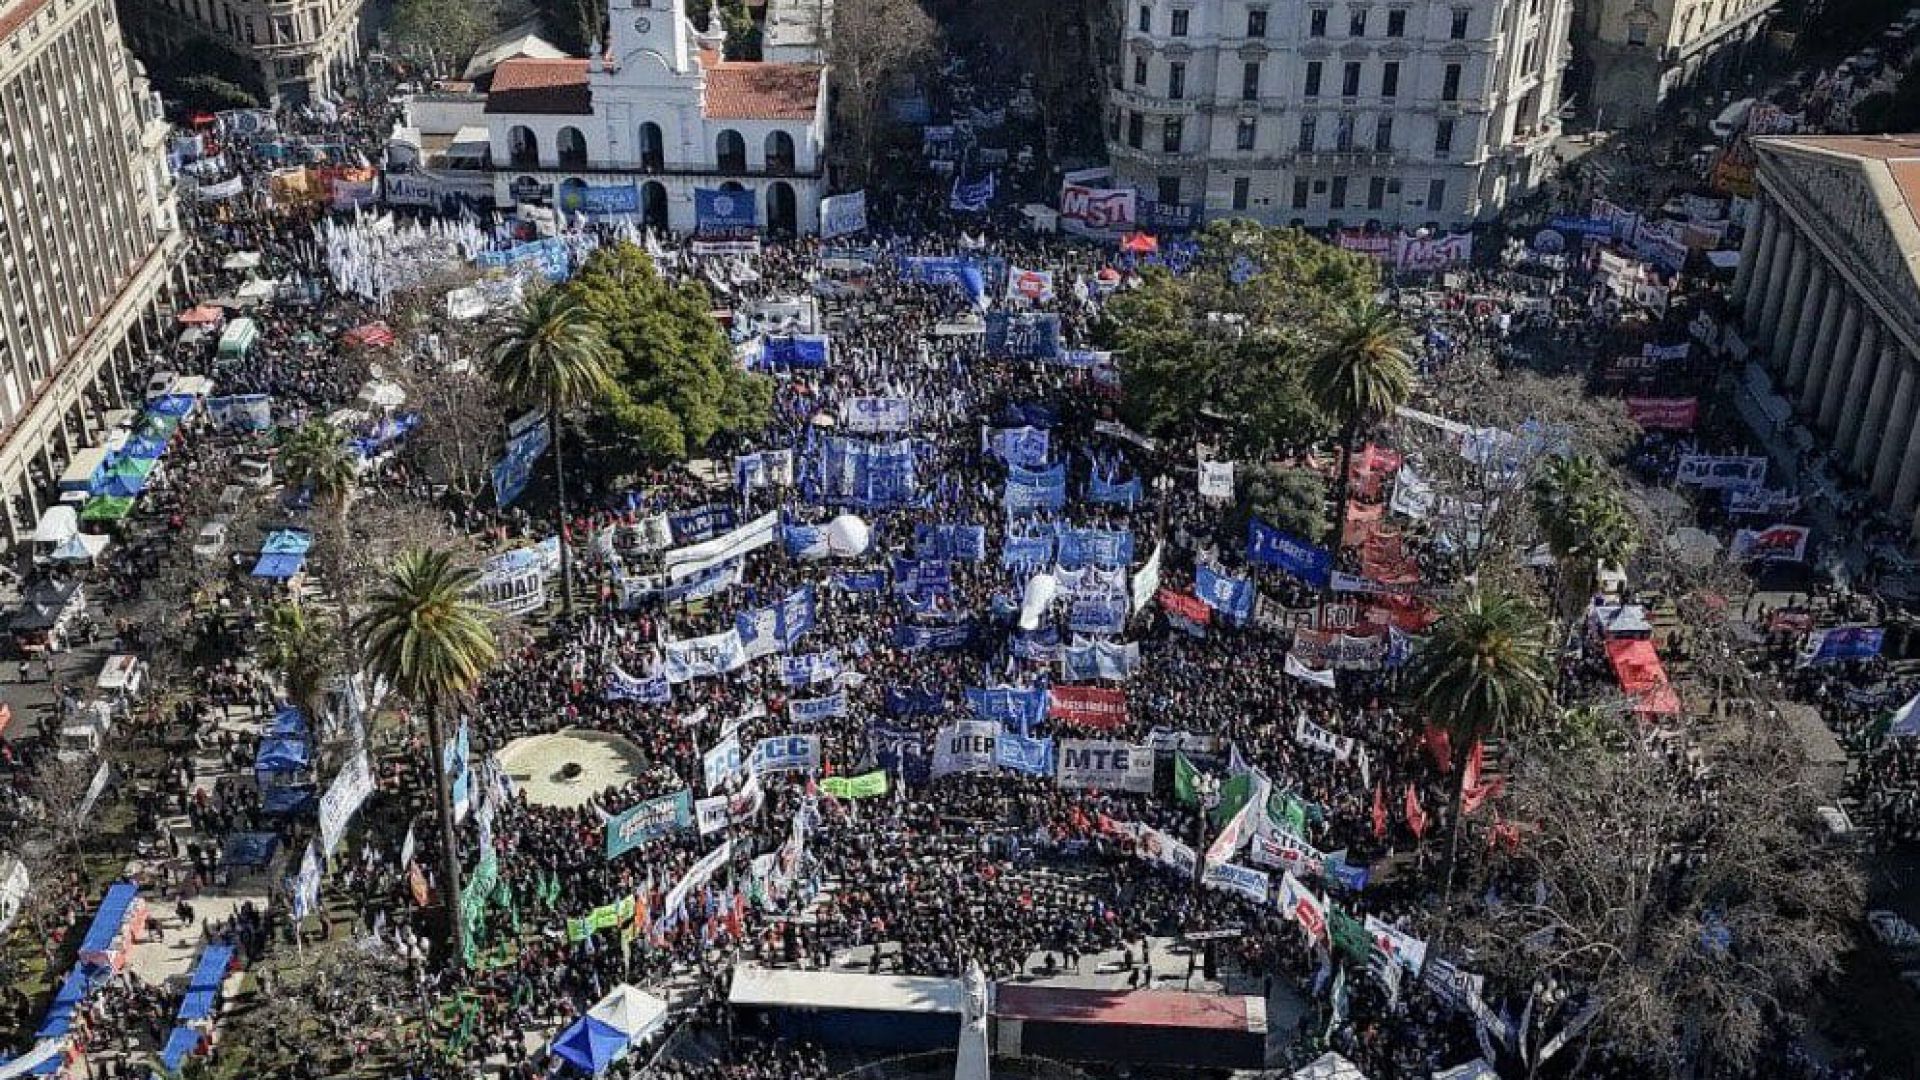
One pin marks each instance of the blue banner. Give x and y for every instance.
(550, 257)
(809, 711)
(1012, 707)
(947, 270)
(919, 638)
(1029, 490)
(803, 671)
(1016, 753)
(971, 196)
(1027, 551)
(1088, 661)
(1024, 446)
(805, 542)
(702, 523)
(649, 821)
(912, 702)
(1843, 643)
(900, 751)
(1040, 646)
(724, 215)
(759, 631)
(510, 476)
(1095, 547)
(867, 474)
(1102, 488)
(796, 615)
(1027, 335)
(653, 690)
(1231, 597)
(860, 580)
(1584, 226)
(967, 543)
(807, 351)
(1097, 614)
(922, 578)
(1269, 546)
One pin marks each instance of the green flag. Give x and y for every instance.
(1349, 935)
(1287, 811)
(1186, 786)
(1234, 793)
(865, 786)
(579, 929)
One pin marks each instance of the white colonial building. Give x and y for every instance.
(659, 113)
(1319, 111)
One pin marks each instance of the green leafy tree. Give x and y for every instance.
(1228, 343)
(1361, 371)
(572, 24)
(213, 93)
(318, 458)
(426, 635)
(554, 354)
(1584, 517)
(675, 384)
(1292, 500)
(303, 653)
(443, 32)
(1486, 668)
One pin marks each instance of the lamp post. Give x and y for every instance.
(1207, 789)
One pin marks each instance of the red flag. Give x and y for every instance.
(1474, 791)
(1416, 817)
(1440, 745)
(1504, 832)
(1379, 813)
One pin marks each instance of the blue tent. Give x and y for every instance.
(59, 1019)
(289, 721)
(171, 405)
(120, 486)
(590, 1045)
(144, 447)
(286, 800)
(114, 909)
(180, 1044)
(281, 754)
(284, 552)
(250, 849)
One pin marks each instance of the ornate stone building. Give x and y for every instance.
(1319, 111)
(1829, 283)
(299, 50)
(1638, 53)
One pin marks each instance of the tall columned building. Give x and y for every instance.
(1318, 111)
(89, 241)
(299, 50)
(1829, 286)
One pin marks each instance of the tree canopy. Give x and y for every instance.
(1233, 338)
(675, 383)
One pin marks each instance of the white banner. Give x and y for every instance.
(225, 189)
(715, 654)
(1105, 211)
(701, 873)
(1147, 581)
(466, 304)
(722, 764)
(1313, 736)
(343, 799)
(1434, 252)
(1216, 479)
(711, 814)
(685, 562)
(843, 215)
(786, 753)
(871, 415)
(1243, 881)
(1406, 950)
(1282, 850)
(965, 746)
(1168, 851)
(1030, 286)
(1103, 764)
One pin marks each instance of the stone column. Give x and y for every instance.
(1893, 434)
(1846, 357)
(1853, 407)
(1777, 273)
(1873, 419)
(1803, 354)
(1821, 363)
(1750, 245)
(1794, 310)
(1908, 484)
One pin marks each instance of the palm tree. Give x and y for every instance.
(425, 634)
(316, 456)
(302, 653)
(1585, 520)
(553, 354)
(1362, 372)
(1486, 668)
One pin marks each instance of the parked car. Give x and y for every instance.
(211, 540)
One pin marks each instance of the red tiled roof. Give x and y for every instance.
(738, 90)
(526, 85)
(16, 15)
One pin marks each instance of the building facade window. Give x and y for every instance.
(1169, 189)
(1458, 31)
(1300, 193)
(1317, 22)
(1257, 23)
(1145, 23)
(1390, 79)
(1443, 136)
(1396, 23)
(1343, 133)
(1170, 135)
(1247, 135)
(1242, 192)
(1436, 195)
(1136, 130)
(1180, 18)
(1177, 80)
(1383, 134)
(1357, 22)
(1139, 71)
(1350, 79)
(1313, 78)
(1450, 83)
(1250, 81)
(1337, 198)
(1376, 192)
(1307, 125)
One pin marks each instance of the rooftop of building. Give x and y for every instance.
(14, 15)
(1899, 155)
(736, 89)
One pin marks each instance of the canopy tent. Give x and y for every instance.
(285, 800)
(381, 394)
(237, 338)
(590, 1045)
(257, 289)
(1139, 243)
(1619, 620)
(289, 722)
(250, 849)
(59, 1019)
(631, 1011)
(44, 1058)
(156, 426)
(107, 508)
(43, 607)
(203, 986)
(202, 315)
(241, 260)
(281, 754)
(103, 937)
(57, 525)
(144, 448)
(171, 405)
(385, 433)
(1642, 676)
(182, 1043)
(283, 554)
(80, 547)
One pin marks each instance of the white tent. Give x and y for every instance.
(1330, 1066)
(80, 547)
(258, 289)
(57, 525)
(241, 260)
(630, 1011)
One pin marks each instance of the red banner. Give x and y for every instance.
(1664, 414)
(1187, 607)
(1089, 707)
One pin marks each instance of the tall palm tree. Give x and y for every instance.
(553, 354)
(1584, 518)
(316, 456)
(302, 653)
(1486, 668)
(426, 635)
(1360, 374)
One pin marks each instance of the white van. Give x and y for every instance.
(121, 678)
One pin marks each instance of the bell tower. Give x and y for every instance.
(656, 26)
